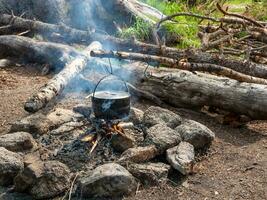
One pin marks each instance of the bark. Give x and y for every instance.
(187, 89)
(179, 88)
(140, 10)
(56, 55)
(245, 67)
(113, 43)
(262, 37)
(180, 64)
(55, 86)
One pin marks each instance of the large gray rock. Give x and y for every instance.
(136, 116)
(149, 173)
(39, 124)
(68, 128)
(36, 124)
(19, 141)
(10, 165)
(139, 154)
(108, 180)
(182, 157)
(60, 116)
(195, 133)
(157, 115)
(162, 137)
(43, 180)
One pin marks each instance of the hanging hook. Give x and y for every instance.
(110, 65)
(147, 74)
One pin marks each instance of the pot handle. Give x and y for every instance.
(103, 78)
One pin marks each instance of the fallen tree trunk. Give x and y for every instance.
(56, 55)
(113, 43)
(186, 89)
(59, 82)
(179, 88)
(99, 14)
(138, 10)
(180, 64)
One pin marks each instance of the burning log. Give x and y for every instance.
(55, 86)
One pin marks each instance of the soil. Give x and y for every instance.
(235, 166)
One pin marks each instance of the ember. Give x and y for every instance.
(101, 129)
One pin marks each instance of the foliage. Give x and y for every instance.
(187, 27)
(140, 30)
(259, 10)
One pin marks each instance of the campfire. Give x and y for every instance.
(113, 144)
(101, 129)
(109, 107)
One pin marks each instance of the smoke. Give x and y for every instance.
(93, 15)
(99, 16)
(107, 104)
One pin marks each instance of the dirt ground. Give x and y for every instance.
(235, 167)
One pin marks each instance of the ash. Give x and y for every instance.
(65, 144)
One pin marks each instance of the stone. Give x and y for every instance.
(67, 128)
(61, 116)
(83, 109)
(136, 116)
(157, 115)
(36, 124)
(108, 180)
(30, 158)
(19, 141)
(162, 137)
(39, 124)
(130, 129)
(195, 133)
(122, 142)
(43, 180)
(137, 134)
(182, 157)
(139, 154)
(149, 173)
(10, 165)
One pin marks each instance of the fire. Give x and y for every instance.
(101, 130)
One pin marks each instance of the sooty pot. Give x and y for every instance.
(111, 103)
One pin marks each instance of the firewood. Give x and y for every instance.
(178, 88)
(195, 90)
(55, 86)
(32, 50)
(113, 43)
(180, 64)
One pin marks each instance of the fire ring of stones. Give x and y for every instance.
(67, 152)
